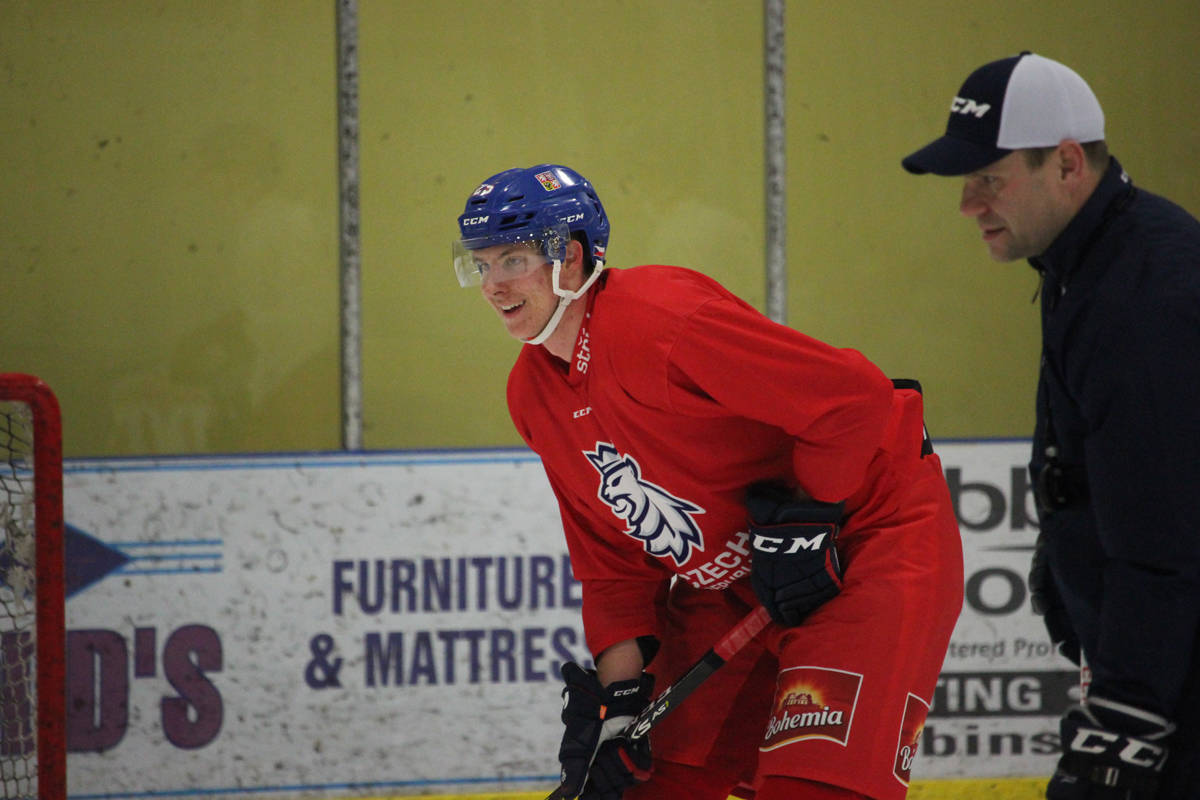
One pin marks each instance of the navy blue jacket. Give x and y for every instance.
(1119, 396)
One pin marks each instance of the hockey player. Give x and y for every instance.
(1115, 450)
(706, 459)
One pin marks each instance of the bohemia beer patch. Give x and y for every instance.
(812, 703)
(915, 711)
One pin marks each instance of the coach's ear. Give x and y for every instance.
(1072, 174)
(1069, 159)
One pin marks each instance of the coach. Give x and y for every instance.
(1116, 450)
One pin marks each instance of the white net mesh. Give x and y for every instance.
(18, 673)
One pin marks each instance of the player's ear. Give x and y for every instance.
(575, 263)
(571, 275)
(574, 259)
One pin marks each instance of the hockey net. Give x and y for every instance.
(32, 630)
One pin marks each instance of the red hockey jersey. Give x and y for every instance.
(678, 396)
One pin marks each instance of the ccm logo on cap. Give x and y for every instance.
(962, 105)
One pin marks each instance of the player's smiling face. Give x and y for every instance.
(516, 281)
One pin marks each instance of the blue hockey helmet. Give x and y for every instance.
(541, 205)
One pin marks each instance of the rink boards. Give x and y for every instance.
(392, 623)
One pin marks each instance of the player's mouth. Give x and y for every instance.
(991, 233)
(511, 309)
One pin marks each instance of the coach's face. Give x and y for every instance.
(1020, 209)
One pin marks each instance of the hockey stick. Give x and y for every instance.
(725, 648)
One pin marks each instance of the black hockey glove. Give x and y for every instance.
(1045, 600)
(795, 568)
(1111, 751)
(597, 762)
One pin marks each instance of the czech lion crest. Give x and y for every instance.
(659, 519)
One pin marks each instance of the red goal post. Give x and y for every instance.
(32, 596)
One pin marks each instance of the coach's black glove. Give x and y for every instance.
(1111, 751)
(1045, 600)
(795, 566)
(595, 758)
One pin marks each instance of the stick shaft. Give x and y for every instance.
(726, 647)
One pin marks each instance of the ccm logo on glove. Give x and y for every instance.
(1133, 751)
(771, 544)
(1110, 750)
(795, 567)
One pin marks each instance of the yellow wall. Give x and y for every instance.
(168, 252)
(169, 213)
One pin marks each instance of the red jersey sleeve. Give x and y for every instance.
(833, 402)
(614, 611)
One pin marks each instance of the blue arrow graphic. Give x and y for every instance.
(88, 559)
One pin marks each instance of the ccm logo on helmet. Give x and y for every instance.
(475, 220)
(770, 544)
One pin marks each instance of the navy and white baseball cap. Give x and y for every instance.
(1010, 104)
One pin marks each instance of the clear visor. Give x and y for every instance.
(502, 259)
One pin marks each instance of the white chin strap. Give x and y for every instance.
(565, 298)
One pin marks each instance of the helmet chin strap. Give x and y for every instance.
(565, 297)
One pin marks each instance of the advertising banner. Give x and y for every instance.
(1002, 687)
(393, 623)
